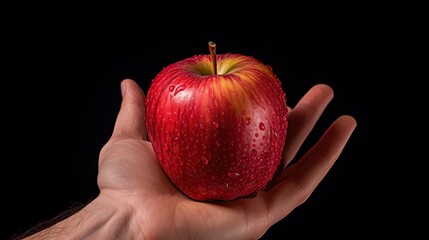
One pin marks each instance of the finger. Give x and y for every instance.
(130, 120)
(298, 181)
(303, 118)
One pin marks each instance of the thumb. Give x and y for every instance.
(130, 121)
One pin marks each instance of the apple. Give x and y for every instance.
(217, 124)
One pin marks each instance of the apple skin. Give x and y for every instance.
(217, 137)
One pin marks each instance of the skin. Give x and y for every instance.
(137, 200)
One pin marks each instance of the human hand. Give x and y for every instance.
(138, 201)
(129, 173)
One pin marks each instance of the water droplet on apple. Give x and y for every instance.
(225, 186)
(202, 190)
(252, 176)
(180, 161)
(233, 174)
(265, 154)
(171, 88)
(274, 134)
(256, 134)
(179, 89)
(253, 152)
(247, 121)
(217, 144)
(262, 126)
(215, 124)
(204, 160)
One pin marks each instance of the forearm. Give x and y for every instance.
(99, 219)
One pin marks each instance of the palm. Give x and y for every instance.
(129, 166)
(128, 169)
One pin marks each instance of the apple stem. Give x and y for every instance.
(212, 48)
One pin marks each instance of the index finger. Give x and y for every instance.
(303, 118)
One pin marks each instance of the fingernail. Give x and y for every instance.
(123, 88)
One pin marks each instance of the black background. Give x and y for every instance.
(61, 97)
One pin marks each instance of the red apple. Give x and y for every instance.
(217, 124)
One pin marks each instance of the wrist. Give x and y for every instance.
(102, 218)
